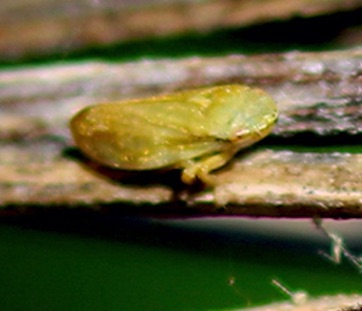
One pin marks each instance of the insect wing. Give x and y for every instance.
(145, 134)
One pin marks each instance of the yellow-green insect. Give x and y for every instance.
(197, 130)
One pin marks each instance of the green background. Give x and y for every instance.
(89, 261)
(82, 260)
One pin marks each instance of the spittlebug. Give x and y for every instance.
(196, 130)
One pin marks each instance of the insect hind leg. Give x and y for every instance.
(201, 168)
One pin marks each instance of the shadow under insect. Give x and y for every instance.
(165, 176)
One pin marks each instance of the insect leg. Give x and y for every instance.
(202, 167)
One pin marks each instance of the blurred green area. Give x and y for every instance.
(334, 31)
(86, 261)
(74, 261)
